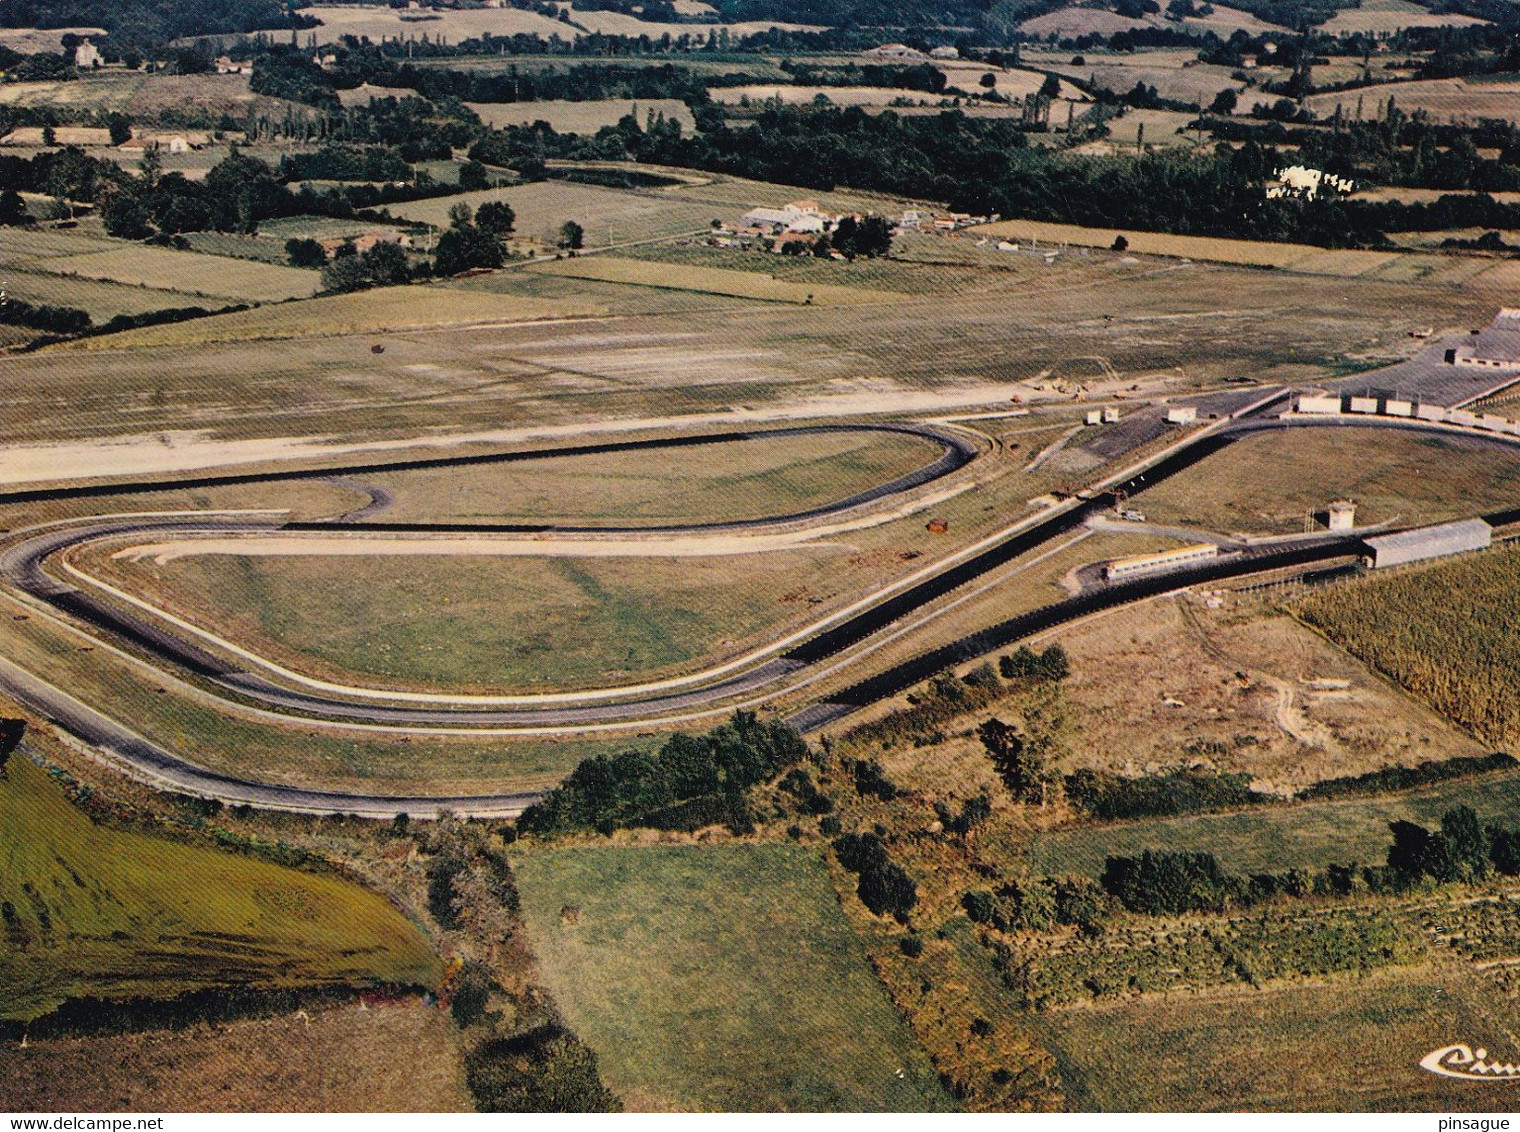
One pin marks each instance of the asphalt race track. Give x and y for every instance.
(22, 568)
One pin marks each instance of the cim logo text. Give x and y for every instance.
(1468, 1064)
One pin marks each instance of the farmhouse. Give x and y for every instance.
(945, 52)
(1428, 542)
(894, 53)
(1140, 565)
(798, 216)
(87, 56)
(1497, 347)
(364, 243)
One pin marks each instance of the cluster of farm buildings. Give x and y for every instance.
(801, 222)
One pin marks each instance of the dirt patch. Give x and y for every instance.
(1243, 687)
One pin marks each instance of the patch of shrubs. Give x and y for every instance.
(799, 784)
(871, 781)
(1182, 790)
(884, 887)
(973, 812)
(1039, 903)
(692, 780)
(545, 1069)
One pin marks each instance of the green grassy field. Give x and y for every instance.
(719, 977)
(491, 624)
(709, 483)
(1272, 838)
(1334, 1046)
(91, 910)
(1268, 483)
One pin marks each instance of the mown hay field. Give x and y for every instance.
(169, 270)
(1272, 482)
(609, 216)
(1448, 632)
(1250, 253)
(94, 910)
(1338, 1045)
(1461, 100)
(1385, 17)
(719, 977)
(102, 299)
(581, 117)
(382, 309)
(711, 280)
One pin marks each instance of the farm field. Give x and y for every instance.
(1388, 16)
(1338, 1045)
(29, 41)
(567, 117)
(730, 482)
(838, 95)
(403, 1057)
(147, 96)
(496, 624)
(1291, 257)
(1401, 624)
(102, 299)
(92, 910)
(1445, 100)
(165, 269)
(459, 24)
(719, 977)
(711, 280)
(1244, 686)
(1270, 483)
(1271, 838)
(919, 265)
(381, 310)
(609, 216)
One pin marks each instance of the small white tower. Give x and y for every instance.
(1342, 515)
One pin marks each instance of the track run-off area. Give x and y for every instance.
(240, 682)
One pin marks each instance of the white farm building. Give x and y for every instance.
(1428, 542)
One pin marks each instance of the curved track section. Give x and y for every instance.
(22, 567)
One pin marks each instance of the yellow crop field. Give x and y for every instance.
(712, 280)
(1251, 253)
(213, 276)
(388, 308)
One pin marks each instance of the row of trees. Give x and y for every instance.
(1462, 850)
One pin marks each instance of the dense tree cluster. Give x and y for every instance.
(885, 888)
(1038, 904)
(648, 788)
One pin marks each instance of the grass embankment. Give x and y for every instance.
(719, 977)
(90, 910)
